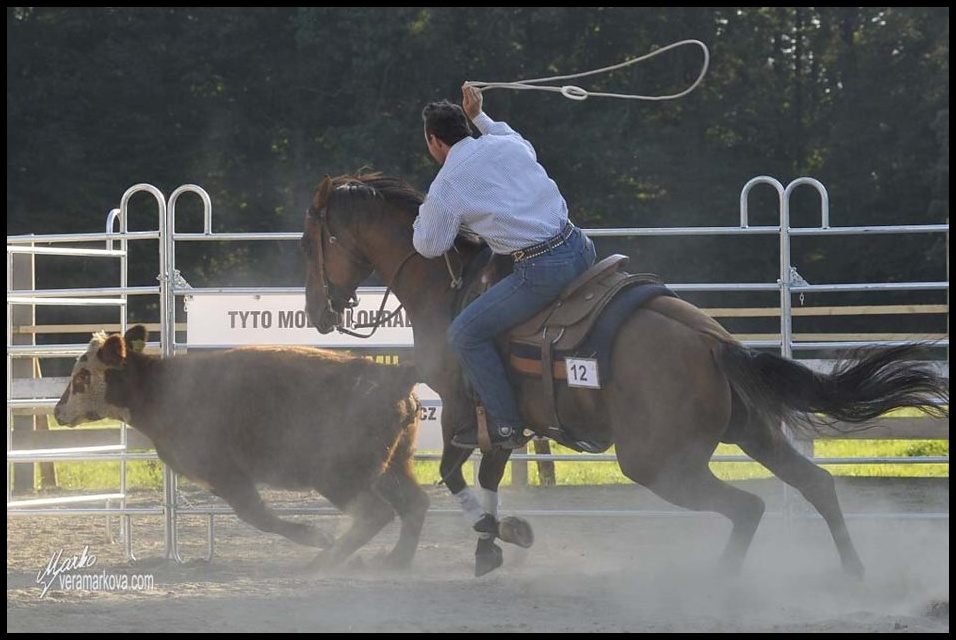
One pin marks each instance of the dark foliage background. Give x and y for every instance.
(257, 104)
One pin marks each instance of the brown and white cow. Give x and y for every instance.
(286, 416)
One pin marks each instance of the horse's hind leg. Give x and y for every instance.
(698, 489)
(815, 483)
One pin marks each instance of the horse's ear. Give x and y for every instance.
(322, 193)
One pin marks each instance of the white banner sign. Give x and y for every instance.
(234, 319)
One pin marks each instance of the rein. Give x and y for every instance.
(380, 316)
(352, 300)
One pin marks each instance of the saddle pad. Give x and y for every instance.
(526, 359)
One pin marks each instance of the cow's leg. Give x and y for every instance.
(370, 513)
(400, 488)
(242, 496)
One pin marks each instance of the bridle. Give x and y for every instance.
(332, 293)
(330, 290)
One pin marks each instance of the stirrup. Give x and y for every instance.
(501, 438)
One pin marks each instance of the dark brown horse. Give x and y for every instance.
(680, 385)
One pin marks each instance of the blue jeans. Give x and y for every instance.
(534, 283)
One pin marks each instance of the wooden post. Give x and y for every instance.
(519, 470)
(545, 467)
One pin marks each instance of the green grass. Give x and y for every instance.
(589, 473)
(148, 474)
(102, 476)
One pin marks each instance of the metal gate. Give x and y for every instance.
(29, 397)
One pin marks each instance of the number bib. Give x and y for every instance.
(582, 372)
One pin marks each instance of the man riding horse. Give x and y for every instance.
(494, 187)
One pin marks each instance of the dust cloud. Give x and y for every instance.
(612, 572)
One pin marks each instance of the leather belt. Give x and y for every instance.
(543, 247)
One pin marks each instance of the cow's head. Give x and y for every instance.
(95, 389)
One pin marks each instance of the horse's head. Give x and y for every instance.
(335, 265)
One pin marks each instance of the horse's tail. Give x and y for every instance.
(863, 385)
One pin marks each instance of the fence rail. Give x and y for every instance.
(30, 397)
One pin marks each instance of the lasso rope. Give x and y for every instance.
(573, 92)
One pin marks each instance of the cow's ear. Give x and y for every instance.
(136, 338)
(113, 352)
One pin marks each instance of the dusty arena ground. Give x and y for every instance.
(599, 573)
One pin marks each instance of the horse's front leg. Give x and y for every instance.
(491, 469)
(453, 416)
(479, 507)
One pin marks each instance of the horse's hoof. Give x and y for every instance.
(516, 531)
(487, 560)
(487, 527)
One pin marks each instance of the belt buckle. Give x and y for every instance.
(518, 255)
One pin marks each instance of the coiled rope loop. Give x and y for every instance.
(573, 92)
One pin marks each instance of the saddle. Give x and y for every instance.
(565, 323)
(537, 347)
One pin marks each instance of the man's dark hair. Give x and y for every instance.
(446, 121)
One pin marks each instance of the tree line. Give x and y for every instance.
(256, 105)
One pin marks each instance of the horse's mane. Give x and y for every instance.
(347, 190)
(366, 185)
